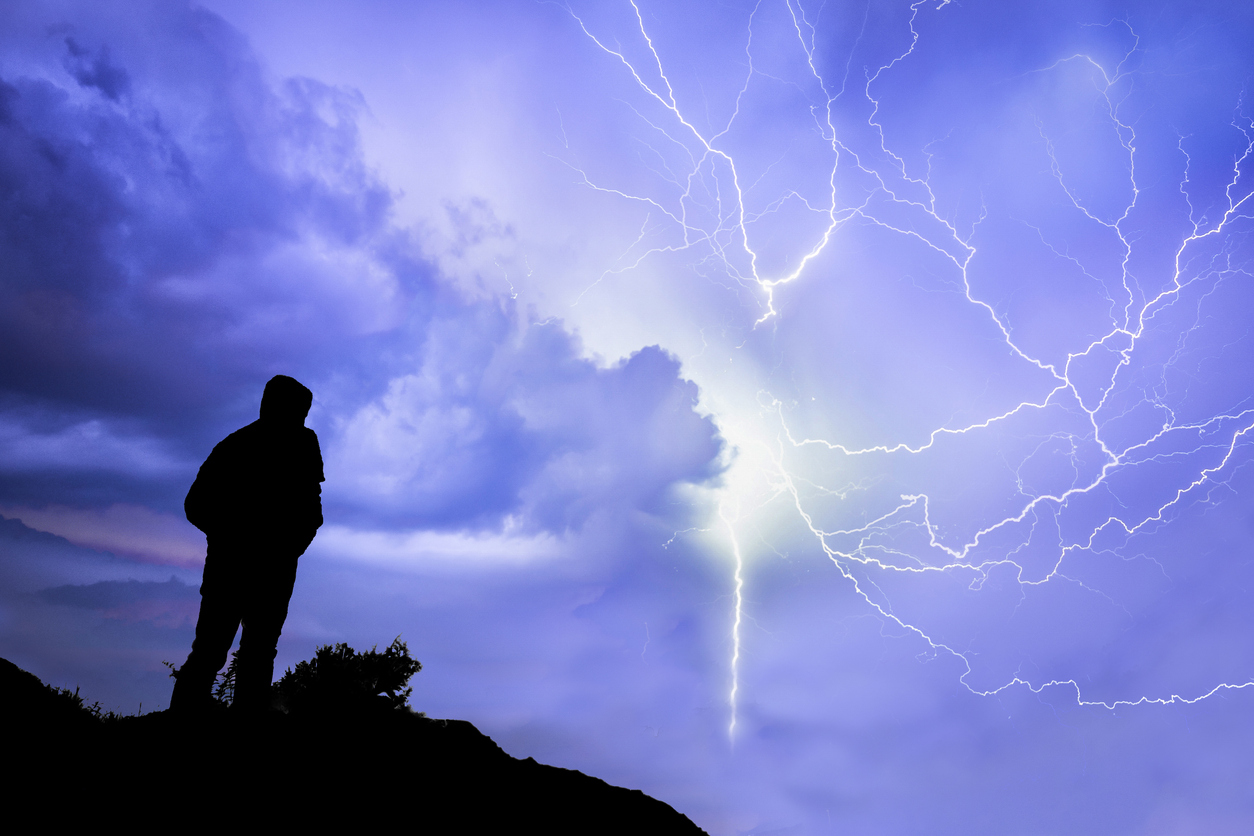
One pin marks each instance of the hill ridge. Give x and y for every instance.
(354, 765)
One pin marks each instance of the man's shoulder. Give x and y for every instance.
(258, 433)
(242, 440)
(240, 436)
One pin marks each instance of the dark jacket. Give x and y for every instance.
(260, 481)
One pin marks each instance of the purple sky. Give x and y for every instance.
(826, 418)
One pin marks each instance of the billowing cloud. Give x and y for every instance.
(178, 227)
(527, 431)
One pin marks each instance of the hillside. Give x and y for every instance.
(355, 765)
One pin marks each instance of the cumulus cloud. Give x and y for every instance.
(527, 431)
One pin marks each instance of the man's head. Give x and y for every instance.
(285, 401)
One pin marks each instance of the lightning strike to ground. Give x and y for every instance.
(708, 214)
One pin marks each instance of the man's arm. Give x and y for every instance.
(201, 504)
(311, 504)
(213, 503)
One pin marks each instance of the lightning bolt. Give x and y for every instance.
(738, 611)
(707, 213)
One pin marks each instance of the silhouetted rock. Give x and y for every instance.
(370, 767)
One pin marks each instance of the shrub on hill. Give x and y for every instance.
(336, 677)
(339, 676)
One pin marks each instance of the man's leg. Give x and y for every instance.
(215, 631)
(221, 609)
(265, 610)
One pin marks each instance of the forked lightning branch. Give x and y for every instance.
(707, 213)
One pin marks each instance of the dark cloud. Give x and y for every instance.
(97, 70)
(107, 595)
(169, 605)
(33, 564)
(137, 228)
(104, 208)
(178, 228)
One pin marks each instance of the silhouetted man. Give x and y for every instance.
(258, 498)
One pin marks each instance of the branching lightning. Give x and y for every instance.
(711, 216)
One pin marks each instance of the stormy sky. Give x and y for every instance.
(824, 417)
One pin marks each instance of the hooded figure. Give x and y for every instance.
(258, 498)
